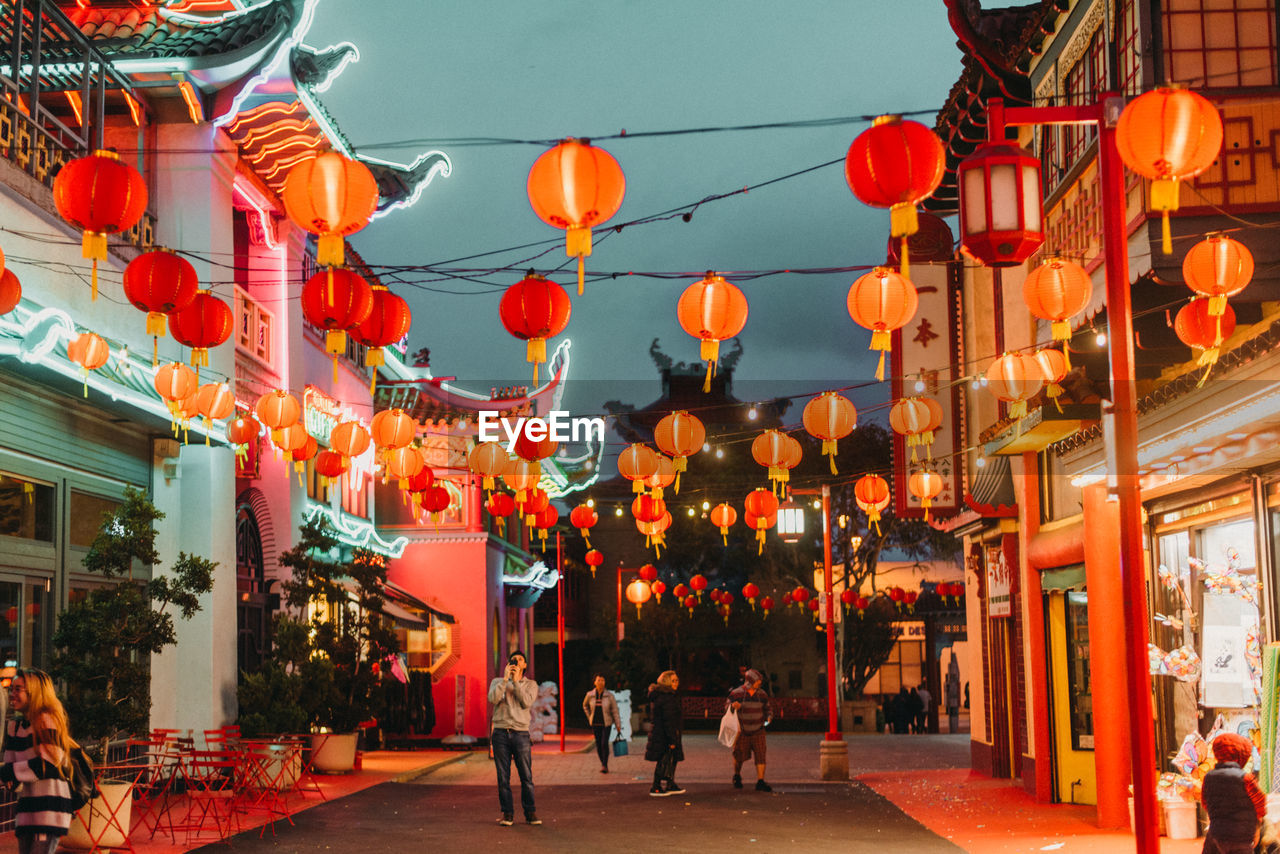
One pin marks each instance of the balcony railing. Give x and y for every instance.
(54, 92)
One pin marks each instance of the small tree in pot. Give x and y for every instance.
(104, 641)
(328, 662)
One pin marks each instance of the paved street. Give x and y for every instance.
(454, 807)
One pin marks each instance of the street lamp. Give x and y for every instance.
(790, 521)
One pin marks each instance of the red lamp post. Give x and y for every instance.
(1105, 114)
(1001, 214)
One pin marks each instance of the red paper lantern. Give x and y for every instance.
(521, 475)
(658, 587)
(529, 449)
(766, 605)
(243, 430)
(800, 595)
(300, 455)
(90, 352)
(749, 592)
(387, 323)
(533, 310)
(697, 584)
(436, 500)
(335, 301)
(289, 439)
(1168, 135)
(160, 282)
(206, 322)
(1001, 213)
(786, 598)
(690, 602)
(895, 164)
(925, 485)
(10, 291)
(330, 196)
(501, 504)
(543, 520)
(648, 572)
(646, 508)
(1058, 290)
(662, 476)
(175, 382)
(882, 301)
(421, 481)
(576, 186)
(593, 559)
(331, 465)
(1015, 378)
(99, 194)
(584, 519)
(1202, 331)
(830, 417)
(761, 503)
(531, 502)
(712, 310)
(723, 516)
(638, 593)
(1053, 366)
(847, 598)
(871, 492)
(715, 595)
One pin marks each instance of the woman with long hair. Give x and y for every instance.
(664, 745)
(37, 757)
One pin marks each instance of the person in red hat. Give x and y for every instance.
(1231, 797)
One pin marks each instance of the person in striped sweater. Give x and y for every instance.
(36, 752)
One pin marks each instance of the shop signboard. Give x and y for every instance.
(999, 584)
(1228, 619)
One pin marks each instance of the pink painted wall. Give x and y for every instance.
(462, 576)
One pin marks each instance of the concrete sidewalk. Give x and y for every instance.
(926, 777)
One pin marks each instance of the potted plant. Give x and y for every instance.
(104, 642)
(329, 643)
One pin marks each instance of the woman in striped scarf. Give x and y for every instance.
(37, 750)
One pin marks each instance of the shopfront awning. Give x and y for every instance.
(1063, 579)
(1041, 428)
(403, 607)
(1057, 547)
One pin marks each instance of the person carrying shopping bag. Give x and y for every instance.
(665, 746)
(601, 710)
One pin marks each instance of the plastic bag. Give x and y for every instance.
(729, 728)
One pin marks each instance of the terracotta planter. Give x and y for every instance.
(105, 819)
(333, 753)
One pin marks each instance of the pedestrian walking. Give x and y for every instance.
(951, 692)
(37, 758)
(915, 710)
(602, 714)
(902, 713)
(751, 703)
(665, 746)
(1231, 797)
(512, 696)
(926, 701)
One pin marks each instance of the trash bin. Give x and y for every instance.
(1180, 819)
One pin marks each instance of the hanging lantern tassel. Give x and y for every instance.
(502, 532)
(155, 328)
(1164, 198)
(330, 251)
(925, 440)
(680, 464)
(926, 503)
(299, 466)
(637, 610)
(760, 537)
(486, 483)
(724, 532)
(585, 537)
(880, 340)
(637, 485)
(1061, 331)
(829, 449)
(335, 342)
(903, 222)
(536, 351)
(1018, 410)
(873, 518)
(1053, 392)
(710, 353)
(577, 242)
(208, 425)
(374, 359)
(94, 245)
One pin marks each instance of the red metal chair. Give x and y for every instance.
(107, 828)
(213, 783)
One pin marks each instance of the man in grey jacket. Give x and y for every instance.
(512, 696)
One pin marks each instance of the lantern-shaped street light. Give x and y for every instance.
(638, 592)
(790, 521)
(1001, 213)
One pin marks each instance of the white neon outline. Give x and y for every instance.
(295, 38)
(265, 221)
(357, 534)
(349, 57)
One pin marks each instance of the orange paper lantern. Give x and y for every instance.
(1056, 291)
(637, 463)
(278, 409)
(723, 516)
(99, 194)
(330, 196)
(487, 459)
(882, 301)
(1218, 267)
(712, 310)
(1015, 378)
(576, 186)
(679, 435)
(392, 428)
(1168, 135)
(871, 493)
(90, 352)
(349, 438)
(925, 485)
(830, 417)
(10, 291)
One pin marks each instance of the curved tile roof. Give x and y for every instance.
(142, 34)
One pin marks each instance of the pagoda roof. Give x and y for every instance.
(135, 33)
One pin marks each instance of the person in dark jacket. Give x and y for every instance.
(902, 714)
(664, 745)
(915, 710)
(1231, 797)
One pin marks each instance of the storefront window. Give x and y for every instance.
(427, 650)
(85, 517)
(1078, 684)
(26, 509)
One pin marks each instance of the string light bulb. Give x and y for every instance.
(752, 413)
(919, 386)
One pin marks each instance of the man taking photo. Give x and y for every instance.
(512, 696)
